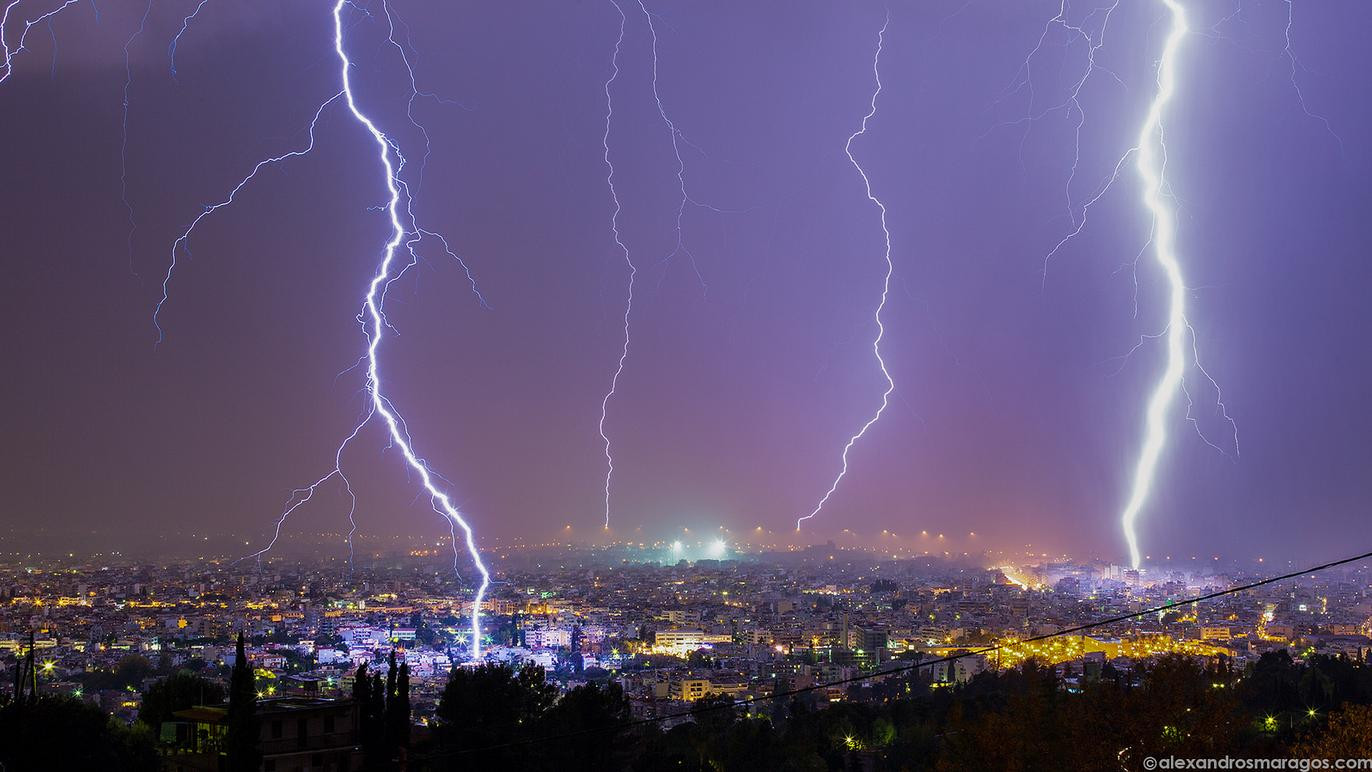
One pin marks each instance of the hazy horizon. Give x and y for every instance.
(1017, 412)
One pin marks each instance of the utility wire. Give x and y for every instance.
(914, 666)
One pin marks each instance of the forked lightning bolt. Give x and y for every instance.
(1150, 156)
(677, 138)
(1296, 65)
(679, 248)
(8, 54)
(406, 232)
(373, 305)
(1093, 37)
(1151, 163)
(1288, 52)
(624, 252)
(885, 282)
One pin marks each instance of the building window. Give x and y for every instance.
(276, 730)
(328, 725)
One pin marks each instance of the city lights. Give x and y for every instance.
(491, 567)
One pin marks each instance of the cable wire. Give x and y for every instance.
(914, 666)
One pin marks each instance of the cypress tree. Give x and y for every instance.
(378, 704)
(32, 672)
(242, 741)
(392, 706)
(362, 702)
(402, 696)
(390, 678)
(365, 693)
(362, 686)
(376, 724)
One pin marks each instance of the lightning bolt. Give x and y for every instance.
(406, 232)
(677, 138)
(679, 248)
(182, 242)
(8, 54)
(1093, 37)
(415, 94)
(624, 252)
(417, 234)
(885, 282)
(176, 40)
(374, 308)
(1295, 65)
(1149, 155)
(124, 133)
(1151, 163)
(1288, 52)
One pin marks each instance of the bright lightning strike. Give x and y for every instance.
(1150, 156)
(1151, 163)
(399, 212)
(628, 260)
(373, 304)
(8, 54)
(886, 280)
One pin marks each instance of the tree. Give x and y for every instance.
(402, 707)
(176, 692)
(714, 714)
(1348, 736)
(389, 717)
(374, 745)
(65, 734)
(242, 741)
(132, 669)
(489, 705)
(390, 677)
(600, 715)
(128, 673)
(362, 686)
(372, 749)
(1272, 685)
(328, 641)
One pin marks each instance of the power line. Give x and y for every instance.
(914, 666)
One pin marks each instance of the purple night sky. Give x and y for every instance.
(1014, 415)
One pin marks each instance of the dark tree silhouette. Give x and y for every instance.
(374, 725)
(605, 710)
(490, 705)
(176, 692)
(402, 707)
(243, 740)
(66, 735)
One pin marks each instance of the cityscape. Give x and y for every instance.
(727, 625)
(629, 385)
